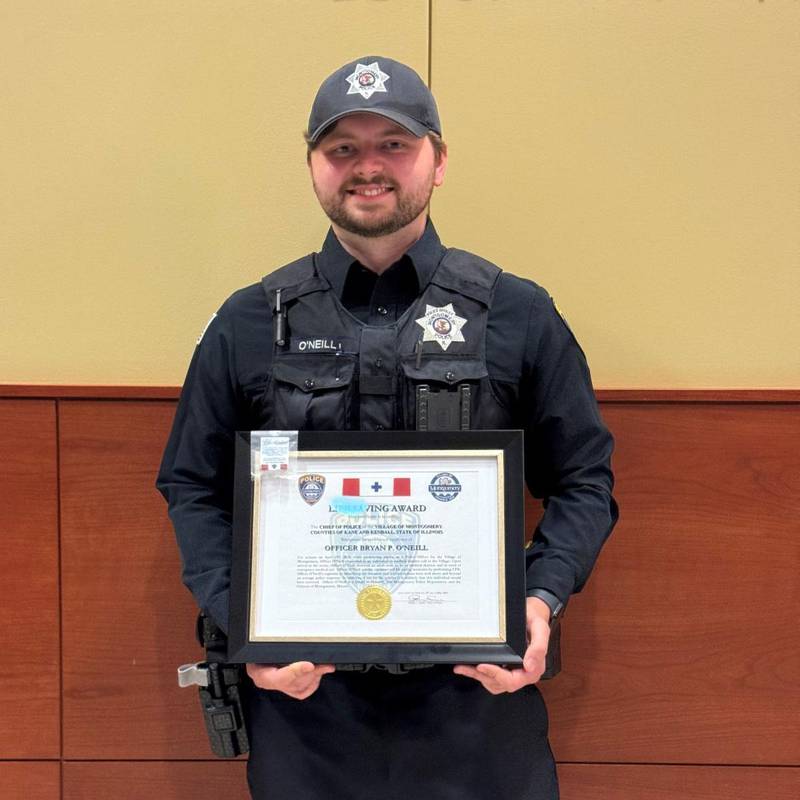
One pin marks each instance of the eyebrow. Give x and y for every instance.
(396, 130)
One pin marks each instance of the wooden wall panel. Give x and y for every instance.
(165, 780)
(29, 580)
(682, 649)
(30, 780)
(684, 646)
(128, 623)
(653, 782)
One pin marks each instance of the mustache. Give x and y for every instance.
(381, 179)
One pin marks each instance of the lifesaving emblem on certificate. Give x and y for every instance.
(366, 79)
(311, 487)
(374, 602)
(441, 325)
(444, 487)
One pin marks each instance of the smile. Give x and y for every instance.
(370, 191)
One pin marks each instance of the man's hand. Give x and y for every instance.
(299, 680)
(497, 679)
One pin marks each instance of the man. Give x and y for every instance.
(394, 310)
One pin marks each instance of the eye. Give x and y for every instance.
(394, 144)
(341, 150)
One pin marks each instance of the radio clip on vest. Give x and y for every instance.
(280, 320)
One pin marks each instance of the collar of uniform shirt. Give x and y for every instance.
(334, 262)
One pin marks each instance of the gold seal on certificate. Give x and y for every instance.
(374, 602)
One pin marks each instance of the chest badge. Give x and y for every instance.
(441, 325)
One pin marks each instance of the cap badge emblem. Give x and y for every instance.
(367, 79)
(441, 325)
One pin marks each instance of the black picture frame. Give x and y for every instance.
(509, 652)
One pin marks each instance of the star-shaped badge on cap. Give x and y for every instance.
(441, 325)
(366, 79)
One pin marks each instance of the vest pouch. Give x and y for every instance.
(442, 373)
(312, 391)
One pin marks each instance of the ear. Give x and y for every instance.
(313, 163)
(441, 168)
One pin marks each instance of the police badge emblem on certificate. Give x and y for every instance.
(311, 487)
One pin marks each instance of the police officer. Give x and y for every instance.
(358, 336)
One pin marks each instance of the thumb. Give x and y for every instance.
(301, 668)
(529, 661)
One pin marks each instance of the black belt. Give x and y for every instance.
(392, 669)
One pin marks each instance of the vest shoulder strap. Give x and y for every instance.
(294, 280)
(467, 274)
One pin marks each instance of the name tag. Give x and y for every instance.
(321, 345)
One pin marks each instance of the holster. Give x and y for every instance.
(219, 686)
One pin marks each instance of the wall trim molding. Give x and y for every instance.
(107, 392)
(88, 392)
(698, 395)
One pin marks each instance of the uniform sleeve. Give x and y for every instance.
(196, 474)
(567, 456)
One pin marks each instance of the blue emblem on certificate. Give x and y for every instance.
(444, 487)
(311, 487)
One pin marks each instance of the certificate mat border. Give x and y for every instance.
(256, 536)
(509, 445)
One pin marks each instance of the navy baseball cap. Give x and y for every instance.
(375, 85)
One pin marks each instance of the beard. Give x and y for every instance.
(408, 206)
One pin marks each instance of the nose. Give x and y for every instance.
(369, 163)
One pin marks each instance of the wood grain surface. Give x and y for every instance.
(57, 391)
(684, 647)
(164, 780)
(205, 780)
(88, 392)
(652, 782)
(128, 622)
(29, 682)
(30, 780)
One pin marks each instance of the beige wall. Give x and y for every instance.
(639, 159)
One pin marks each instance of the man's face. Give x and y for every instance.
(372, 177)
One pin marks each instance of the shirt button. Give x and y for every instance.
(379, 428)
(378, 362)
(308, 383)
(449, 377)
(382, 310)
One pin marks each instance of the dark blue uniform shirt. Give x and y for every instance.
(567, 446)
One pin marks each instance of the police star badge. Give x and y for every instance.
(367, 79)
(441, 325)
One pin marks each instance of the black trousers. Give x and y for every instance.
(427, 734)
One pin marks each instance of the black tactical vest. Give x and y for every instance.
(333, 372)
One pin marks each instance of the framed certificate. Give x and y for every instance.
(385, 547)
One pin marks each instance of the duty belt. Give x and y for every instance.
(392, 669)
